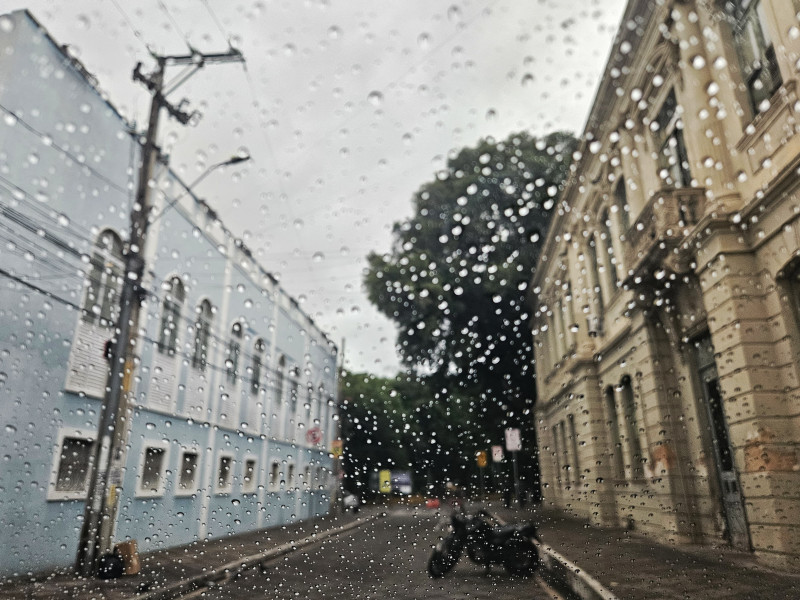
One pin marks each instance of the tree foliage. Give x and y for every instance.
(401, 424)
(456, 280)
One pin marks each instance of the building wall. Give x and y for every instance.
(66, 168)
(659, 285)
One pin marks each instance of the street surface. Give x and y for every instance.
(386, 558)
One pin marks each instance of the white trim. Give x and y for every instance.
(188, 492)
(222, 491)
(53, 494)
(160, 445)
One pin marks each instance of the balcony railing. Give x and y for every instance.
(661, 226)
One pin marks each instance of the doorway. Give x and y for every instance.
(737, 531)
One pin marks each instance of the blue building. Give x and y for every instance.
(232, 409)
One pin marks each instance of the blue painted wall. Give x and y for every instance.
(65, 168)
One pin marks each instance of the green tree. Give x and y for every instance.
(456, 280)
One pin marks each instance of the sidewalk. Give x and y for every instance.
(634, 567)
(181, 565)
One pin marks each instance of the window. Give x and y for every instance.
(621, 203)
(187, 472)
(607, 244)
(755, 50)
(258, 360)
(613, 429)
(202, 335)
(306, 477)
(234, 350)
(72, 470)
(151, 471)
(632, 429)
(224, 474)
(274, 476)
(279, 376)
(249, 477)
(101, 301)
(293, 393)
(673, 163)
(171, 316)
(290, 477)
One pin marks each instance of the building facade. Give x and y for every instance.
(667, 321)
(232, 401)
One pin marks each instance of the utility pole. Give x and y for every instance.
(99, 513)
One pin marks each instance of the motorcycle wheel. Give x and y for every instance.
(520, 557)
(437, 565)
(478, 555)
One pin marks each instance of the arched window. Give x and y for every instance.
(234, 352)
(101, 302)
(202, 335)
(607, 250)
(293, 391)
(279, 377)
(632, 428)
(170, 316)
(258, 360)
(673, 162)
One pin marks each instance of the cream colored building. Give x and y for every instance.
(667, 321)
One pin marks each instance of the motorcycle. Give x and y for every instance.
(486, 543)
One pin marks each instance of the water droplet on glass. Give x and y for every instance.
(375, 98)
(424, 41)
(527, 80)
(334, 32)
(318, 257)
(491, 114)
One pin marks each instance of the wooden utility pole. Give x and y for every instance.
(111, 435)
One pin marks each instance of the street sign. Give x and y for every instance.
(385, 481)
(497, 454)
(336, 448)
(481, 458)
(314, 435)
(513, 442)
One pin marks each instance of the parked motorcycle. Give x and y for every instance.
(486, 543)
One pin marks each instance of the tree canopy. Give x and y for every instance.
(456, 279)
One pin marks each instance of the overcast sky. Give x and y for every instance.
(346, 107)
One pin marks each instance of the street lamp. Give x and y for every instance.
(233, 160)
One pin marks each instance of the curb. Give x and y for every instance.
(561, 573)
(226, 571)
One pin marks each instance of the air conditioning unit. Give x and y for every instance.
(593, 325)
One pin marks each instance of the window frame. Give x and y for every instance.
(53, 493)
(750, 33)
(251, 486)
(234, 353)
(105, 267)
(202, 334)
(228, 488)
(163, 446)
(171, 309)
(668, 139)
(187, 492)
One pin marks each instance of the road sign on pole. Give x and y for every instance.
(513, 442)
(497, 454)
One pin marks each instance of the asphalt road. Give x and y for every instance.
(386, 558)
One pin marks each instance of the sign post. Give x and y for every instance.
(497, 457)
(513, 445)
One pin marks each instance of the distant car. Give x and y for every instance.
(351, 502)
